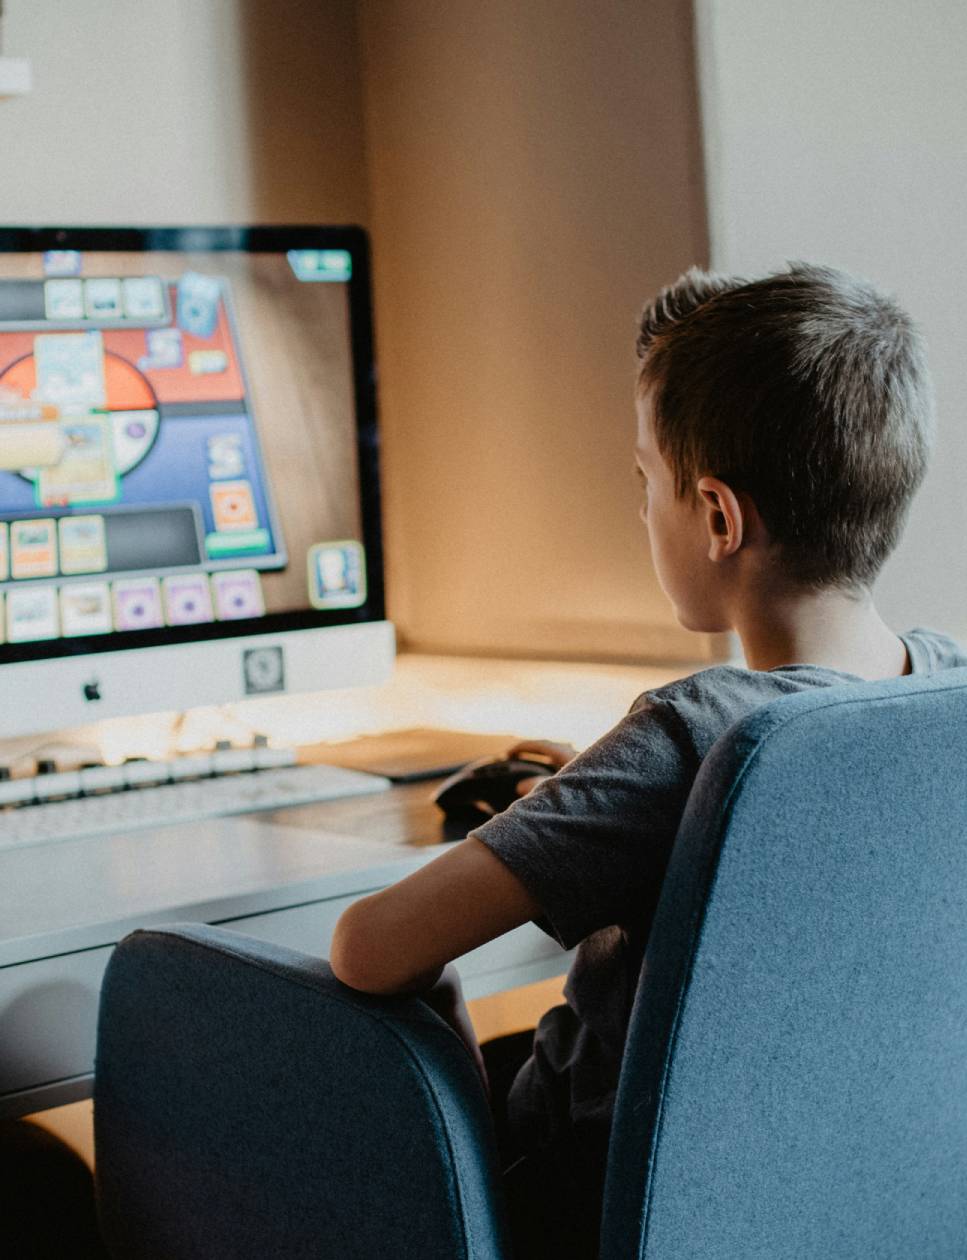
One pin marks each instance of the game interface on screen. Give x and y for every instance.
(134, 491)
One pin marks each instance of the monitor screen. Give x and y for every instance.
(186, 430)
(188, 456)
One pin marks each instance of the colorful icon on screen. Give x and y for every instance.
(233, 506)
(198, 304)
(164, 349)
(207, 362)
(337, 574)
(102, 298)
(226, 456)
(187, 599)
(62, 262)
(321, 264)
(137, 604)
(133, 433)
(238, 594)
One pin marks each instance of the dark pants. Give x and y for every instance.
(553, 1195)
(46, 1197)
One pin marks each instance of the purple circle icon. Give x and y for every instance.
(135, 429)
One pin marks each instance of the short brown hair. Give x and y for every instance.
(810, 391)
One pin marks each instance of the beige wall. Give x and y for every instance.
(534, 174)
(836, 133)
(169, 111)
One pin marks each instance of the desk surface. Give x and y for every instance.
(284, 876)
(82, 893)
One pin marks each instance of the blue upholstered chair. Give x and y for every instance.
(795, 1081)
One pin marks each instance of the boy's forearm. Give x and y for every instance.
(399, 939)
(423, 985)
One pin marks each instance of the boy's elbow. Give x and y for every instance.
(352, 956)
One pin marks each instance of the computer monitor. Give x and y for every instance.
(189, 494)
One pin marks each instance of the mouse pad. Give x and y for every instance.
(410, 755)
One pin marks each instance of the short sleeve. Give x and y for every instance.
(591, 843)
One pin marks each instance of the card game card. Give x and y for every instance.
(233, 506)
(238, 593)
(86, 472)
(102, 298)
(33, 548)
(137, 604)
(64, 300)
(70, 370)
(31, 613)
(198, 303)
(85, 608)
(83, 544)
(144, 297)
(187, 599)
(337, 574)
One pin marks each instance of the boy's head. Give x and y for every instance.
(806, 392)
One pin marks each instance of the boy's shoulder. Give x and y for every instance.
(931, 650)
(704, 704)
(697, 709)
(729, 685)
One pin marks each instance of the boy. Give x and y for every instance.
(783, 428)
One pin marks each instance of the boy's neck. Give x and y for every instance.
(830, 628)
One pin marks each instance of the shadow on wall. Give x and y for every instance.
(305, 114)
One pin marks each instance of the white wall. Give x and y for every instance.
(169, 111)
(835, 132)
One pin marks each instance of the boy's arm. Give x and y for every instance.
(398, 940)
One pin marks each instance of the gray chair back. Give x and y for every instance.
(250, 1107)
(795, 1079)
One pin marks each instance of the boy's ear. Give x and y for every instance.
(725, 517)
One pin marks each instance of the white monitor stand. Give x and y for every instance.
(66, 692)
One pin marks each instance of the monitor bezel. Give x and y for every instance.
(275, 239)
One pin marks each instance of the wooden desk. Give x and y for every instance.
(286, 878)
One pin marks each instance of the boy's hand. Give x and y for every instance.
(556, 755)
(446, 998)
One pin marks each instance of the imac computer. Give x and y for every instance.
(189, 497)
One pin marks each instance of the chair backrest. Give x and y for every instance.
(248, 1106)
(795, 1078)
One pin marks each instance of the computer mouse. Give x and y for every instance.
(484, 788)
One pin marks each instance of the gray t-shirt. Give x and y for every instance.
(591, 844)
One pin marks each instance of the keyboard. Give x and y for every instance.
(129, 807)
